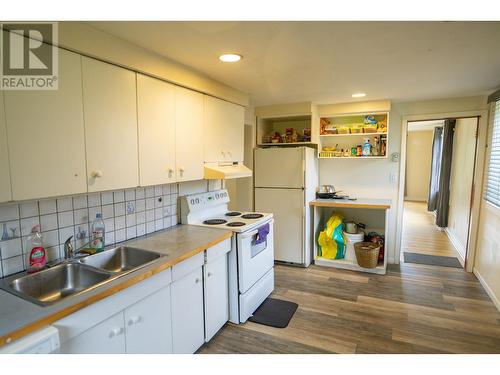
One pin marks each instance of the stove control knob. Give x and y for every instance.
(197, 200)
(192, 201)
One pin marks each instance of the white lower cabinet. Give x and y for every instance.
(188, 331)
(215, 272)
(135, 320)
(107, 337)
(148, 324)
(174, 311)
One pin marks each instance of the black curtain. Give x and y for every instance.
(443, 200)
(437, 144)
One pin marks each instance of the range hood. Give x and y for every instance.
(214, 171)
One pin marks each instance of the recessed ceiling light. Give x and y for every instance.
(359, 95)
(230, 57)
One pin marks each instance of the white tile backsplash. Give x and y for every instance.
(47, 206)
(28, 224)
(48, 222)
(80, 201)
(11, 248)
(94, 199)
(28, 209)
(64, 204)
(9, 212)
(126, 214)
(65, 219)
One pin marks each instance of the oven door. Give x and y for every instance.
(254, 260)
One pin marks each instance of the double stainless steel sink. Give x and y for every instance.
(70, 278)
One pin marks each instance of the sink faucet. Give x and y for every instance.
(69, 252)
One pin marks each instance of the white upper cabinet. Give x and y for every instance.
(224, 130)
(109, 98)
(46, 136)
(188, 134)
(5, 192)
(156, 121)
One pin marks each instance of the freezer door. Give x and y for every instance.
(287, 207)
(279, 167)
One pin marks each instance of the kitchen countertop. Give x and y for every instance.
(19, 317)
(371, 203)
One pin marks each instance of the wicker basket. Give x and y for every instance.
(367, 254)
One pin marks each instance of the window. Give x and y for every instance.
(493, 182)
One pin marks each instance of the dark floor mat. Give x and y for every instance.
(274, 313)
(432, 260)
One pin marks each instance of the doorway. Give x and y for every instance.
(438, 190)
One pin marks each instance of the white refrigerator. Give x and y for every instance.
(285, 181)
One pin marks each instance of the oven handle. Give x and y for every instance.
(254, 232)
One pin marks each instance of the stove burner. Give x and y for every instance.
(236, 224)
(233, 213)
(215, 221)
(252, 216)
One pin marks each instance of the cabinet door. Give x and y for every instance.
(46, 136)
(108, 337)
(188, 134)
(188, 331)
(216, 296)
(148, 324)
(5, 192)
(156, 122)
(224, 130)
(109, 98)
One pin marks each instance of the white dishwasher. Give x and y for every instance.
(44, 341)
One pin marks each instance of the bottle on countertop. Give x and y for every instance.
(37, 256)
(98, 230)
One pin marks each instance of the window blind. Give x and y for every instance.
(493, 182)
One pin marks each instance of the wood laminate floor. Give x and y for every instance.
(420, 233)
(412, 309)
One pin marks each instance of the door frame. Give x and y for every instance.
(477, 183)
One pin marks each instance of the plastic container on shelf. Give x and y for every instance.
(351, 239)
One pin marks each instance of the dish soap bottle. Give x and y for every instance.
(97, 241)
(367, 148)
(37, 257)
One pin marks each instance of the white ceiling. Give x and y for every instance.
(328, 61)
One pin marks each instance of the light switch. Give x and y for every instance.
(392, 177)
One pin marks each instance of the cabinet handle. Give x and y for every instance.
(115, 332)
(223, 153)
(181, 170)
(96, 174)
(197, 280)
(170, 170)
(134, 320)
(209, 274)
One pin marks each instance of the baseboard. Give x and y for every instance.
(490, 293)
(458, 246)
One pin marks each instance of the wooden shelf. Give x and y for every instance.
(370, 203)
(349, 265)
(286, 144)
(352, 157)
(350, 134)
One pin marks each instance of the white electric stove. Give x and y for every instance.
(251, 262)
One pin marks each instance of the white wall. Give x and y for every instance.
(418, 165)
(462, 174)
(487, 259)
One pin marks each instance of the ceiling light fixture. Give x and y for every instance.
(230, 57)
(359, 95)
